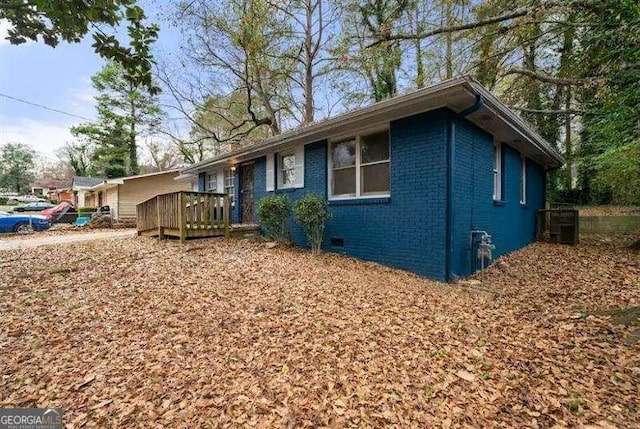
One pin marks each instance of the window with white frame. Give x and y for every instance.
(497, 172)
(287, 167)
(360, 167)
(523, 180)
(212, 182)
(228, 184)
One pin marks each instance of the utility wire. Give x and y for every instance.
(44, 107)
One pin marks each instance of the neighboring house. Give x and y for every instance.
(408, 180)
(81, 187)
(62, 194)
(45, 189)
(122, 194)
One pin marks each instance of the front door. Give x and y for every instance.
(246, 193)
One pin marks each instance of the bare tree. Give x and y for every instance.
(231, 81)
(310, 37)
(162, 156)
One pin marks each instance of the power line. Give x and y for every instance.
(44, 107)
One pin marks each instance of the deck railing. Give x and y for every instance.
(184, 214)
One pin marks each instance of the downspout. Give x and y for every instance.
(475, 106)
(451, 140)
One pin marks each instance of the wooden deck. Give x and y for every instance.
(184, 215)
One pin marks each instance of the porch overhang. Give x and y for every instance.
(186, 177)
(107, 184)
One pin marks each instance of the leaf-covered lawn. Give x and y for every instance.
(141, 333)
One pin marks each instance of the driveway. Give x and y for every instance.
(37, 240)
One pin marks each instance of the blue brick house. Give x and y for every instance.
(412, 182)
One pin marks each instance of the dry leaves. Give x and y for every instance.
(610, 211)
(227, 333)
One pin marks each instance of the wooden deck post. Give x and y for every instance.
(226, 215)
(160, 228)
(182, 221)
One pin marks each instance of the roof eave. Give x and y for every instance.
(328, 124)
(518, 123)
(469, 84)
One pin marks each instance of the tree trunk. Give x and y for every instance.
(308, 66)
(568, 144)
(133, 147)
(449, 41)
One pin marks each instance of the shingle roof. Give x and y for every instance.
(85, 182)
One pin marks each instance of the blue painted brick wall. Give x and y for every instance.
(315, 181)
(409, 229)
(405, 231)
(510, 224)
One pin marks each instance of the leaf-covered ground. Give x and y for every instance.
(141, 333)
(609, 211)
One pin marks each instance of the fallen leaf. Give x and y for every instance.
(465, 375)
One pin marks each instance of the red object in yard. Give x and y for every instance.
(57, 211)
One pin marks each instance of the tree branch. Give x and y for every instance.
(515, 13)
(551, 111)
(543, 77)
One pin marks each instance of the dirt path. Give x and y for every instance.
(36, 240)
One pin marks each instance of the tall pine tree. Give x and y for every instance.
(126, 111)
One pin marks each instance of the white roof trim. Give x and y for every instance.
(157, 173)
(110, 183)
(187, 177)
(390, 110)
(107, 184)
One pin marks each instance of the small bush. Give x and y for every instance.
(86, 210)
(312, 212)
(4, 201)
(274, 210)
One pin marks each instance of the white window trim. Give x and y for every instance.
(357, 166)
(208, 178)
(497, 172)
(233, 185)
(220, 175)
(280, 166)
(270, 172)
(523, 180)
(299, 152)
(274, 168)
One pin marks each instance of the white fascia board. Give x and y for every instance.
(516, 123)
(391, 109)
(306, 134)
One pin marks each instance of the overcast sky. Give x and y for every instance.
(57, 78)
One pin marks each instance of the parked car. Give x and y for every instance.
(23, 223)
(33, 207)
(28, 199)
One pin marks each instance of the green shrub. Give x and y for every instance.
(274, 210)
(86, 210)
(312, 212)
(4, 201)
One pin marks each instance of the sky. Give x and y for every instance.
(58, 78)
